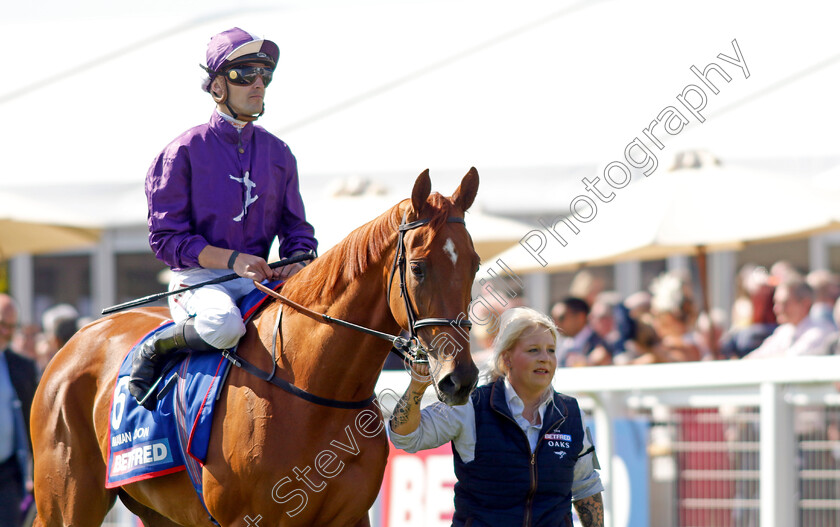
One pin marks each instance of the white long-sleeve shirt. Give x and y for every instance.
(440, 423)
(788, 340)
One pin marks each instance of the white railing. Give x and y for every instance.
(776, 387)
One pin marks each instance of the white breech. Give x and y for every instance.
(217, 319)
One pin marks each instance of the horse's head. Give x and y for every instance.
(440, 263)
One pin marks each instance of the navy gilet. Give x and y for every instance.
(503, 485)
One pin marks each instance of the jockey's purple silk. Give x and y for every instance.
(236, 190)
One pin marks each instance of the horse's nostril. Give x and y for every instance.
(454, 392)
(465, 378)
(447, 385)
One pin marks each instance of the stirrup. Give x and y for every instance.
(159, 394)
(153, 389)
(150, 392)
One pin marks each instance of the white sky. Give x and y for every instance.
(402, 86)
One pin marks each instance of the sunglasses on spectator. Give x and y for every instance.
(247, 75)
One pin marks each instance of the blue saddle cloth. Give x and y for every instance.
(175, 436)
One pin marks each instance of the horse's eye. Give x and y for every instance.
(418, 269)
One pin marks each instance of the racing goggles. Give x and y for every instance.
(247, 75)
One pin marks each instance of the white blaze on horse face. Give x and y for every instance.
(449, 249)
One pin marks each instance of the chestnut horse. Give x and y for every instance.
(275, 458)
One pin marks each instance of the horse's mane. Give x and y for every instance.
(352, 257)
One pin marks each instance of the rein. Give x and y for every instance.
(410, 349)
(283, 384)
(401, 345)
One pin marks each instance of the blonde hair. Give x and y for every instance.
(671, 293)
(512, 324)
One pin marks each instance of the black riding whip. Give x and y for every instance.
(151, 298)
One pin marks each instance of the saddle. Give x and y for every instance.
(146, 444)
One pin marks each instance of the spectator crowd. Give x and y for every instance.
(778, 312)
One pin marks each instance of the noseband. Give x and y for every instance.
(411, 348)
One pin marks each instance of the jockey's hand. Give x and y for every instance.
(288, 271)
(252, 267)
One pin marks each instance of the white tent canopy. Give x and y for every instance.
(401, 86)
(828, 180)
(683, 211)
(537, 95)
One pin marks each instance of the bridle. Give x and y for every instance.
(410, 349)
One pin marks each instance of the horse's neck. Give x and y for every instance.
(341, 363)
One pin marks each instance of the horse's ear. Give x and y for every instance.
(465, 194)
(422, 189)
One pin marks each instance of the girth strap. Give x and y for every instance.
(239, 362)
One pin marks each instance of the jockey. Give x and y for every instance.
(217, 196)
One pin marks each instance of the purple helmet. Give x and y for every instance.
(235, 46)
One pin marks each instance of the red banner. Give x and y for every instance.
(418, 488)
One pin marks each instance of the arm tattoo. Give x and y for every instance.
(591, 511)
(400, 415)
(403, 407)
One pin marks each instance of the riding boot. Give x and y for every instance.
(148, 359)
